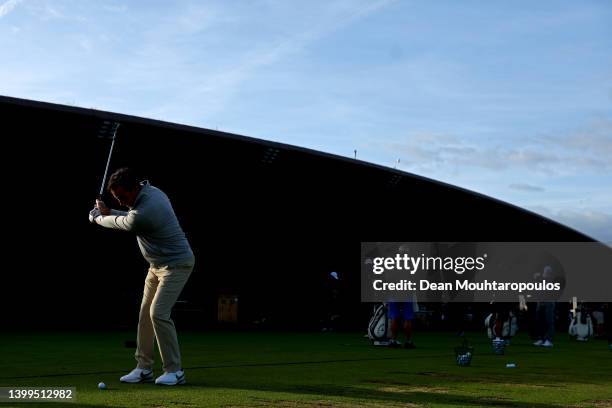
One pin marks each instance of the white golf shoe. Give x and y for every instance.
(137, 375)
(175, 378)
(538, 343)
(547, 343)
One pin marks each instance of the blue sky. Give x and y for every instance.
(511, 99)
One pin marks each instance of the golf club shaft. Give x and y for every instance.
(110, 154)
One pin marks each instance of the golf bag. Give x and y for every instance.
(581, 326)
(379, 328)
(509, 328)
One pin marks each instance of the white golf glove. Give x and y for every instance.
(93, 214)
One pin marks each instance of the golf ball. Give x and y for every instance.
(102, 386)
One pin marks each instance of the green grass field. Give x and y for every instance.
(237, 369)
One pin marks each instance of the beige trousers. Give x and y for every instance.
(162, 288)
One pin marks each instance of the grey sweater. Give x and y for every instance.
(152, 219)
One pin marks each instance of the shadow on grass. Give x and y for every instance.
(373, 396)
(52, 405)
(363, 396)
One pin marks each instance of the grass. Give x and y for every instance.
(261, 369)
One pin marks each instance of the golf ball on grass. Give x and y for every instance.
(102, 386)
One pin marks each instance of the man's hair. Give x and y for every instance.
(123, 177)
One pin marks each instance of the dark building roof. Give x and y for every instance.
(259, 214)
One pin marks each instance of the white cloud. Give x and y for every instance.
(8, 6)
(85, 43)
(527, 187)
(220, 86)
(595, 223)
(584, 151)
(596, 139)
(115, 8)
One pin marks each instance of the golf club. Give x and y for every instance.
(106, 129)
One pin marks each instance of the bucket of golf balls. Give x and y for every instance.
(499, 345)
(463, 355)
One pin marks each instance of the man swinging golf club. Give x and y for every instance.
(164, 245)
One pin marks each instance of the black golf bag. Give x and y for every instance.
(581, 326)
(509, 325)
(379, 328)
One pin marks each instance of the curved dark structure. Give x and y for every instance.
(267, 221)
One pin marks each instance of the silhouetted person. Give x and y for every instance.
(164, 245)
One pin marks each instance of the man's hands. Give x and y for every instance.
(104, 210)
(99, 210)
(93, 214)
